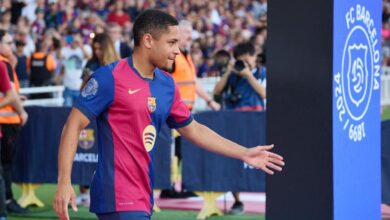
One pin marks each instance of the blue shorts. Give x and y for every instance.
(124, 216)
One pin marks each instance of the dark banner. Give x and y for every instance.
(206, 171)
(36, 157)
(386, 162)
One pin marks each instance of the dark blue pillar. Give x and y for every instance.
(323, 101)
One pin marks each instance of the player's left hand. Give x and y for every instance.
(261, 158)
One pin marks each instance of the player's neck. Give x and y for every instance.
(143, 66)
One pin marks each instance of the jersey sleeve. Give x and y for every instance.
(5, 84)
(97, 94)
(179, 115)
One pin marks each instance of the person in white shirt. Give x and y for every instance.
(75, 55)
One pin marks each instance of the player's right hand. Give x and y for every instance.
(64, 194)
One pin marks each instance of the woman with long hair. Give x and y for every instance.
(103, 53)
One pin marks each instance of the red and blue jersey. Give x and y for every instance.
(129, 111)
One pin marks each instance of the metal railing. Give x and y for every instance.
(207, 84)
(56, 100)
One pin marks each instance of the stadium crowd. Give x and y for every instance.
(57, 29)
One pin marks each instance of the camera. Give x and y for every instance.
(234, 97)
(239, 65)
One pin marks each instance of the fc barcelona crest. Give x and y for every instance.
(86, 139)
(152, 104)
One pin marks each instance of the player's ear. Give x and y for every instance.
(147, 40)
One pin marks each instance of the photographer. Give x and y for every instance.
(242, 86)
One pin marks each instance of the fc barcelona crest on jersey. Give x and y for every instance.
(86, 139)
(152, 104)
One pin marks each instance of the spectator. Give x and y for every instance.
(22, 35)
(41, 66)
(134, 8)
(53, 17)
(16, 10)
(56, 53)
(75, 55)
(259, 8)
(244, 83)
(103, 53)
(30, 9)
(121, 47)
(6, 20)
(118, 15)
(101, 9)
(21, 66)
(38, 26)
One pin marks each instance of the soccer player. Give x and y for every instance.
(130, 100)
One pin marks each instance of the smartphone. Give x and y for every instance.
(69, 39)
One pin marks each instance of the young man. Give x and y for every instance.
(130, 99)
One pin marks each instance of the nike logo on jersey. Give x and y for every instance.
(131, 92)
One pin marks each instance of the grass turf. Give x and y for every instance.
(386, 113)
(46, 193)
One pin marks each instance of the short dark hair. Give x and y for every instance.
(222, 57)
(244, 48)
(152, 21)
(2, 34)
(39, 46)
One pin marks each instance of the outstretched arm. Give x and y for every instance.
(67, 149)
(258, 157)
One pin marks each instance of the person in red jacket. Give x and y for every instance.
(118, 15)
